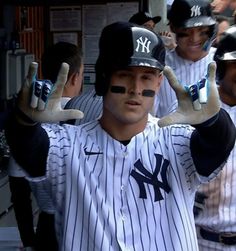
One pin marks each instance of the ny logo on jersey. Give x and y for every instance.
(143, 44)
(142, 176)
(195, 11)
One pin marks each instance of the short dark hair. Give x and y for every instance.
(221, 18)
(58, 53)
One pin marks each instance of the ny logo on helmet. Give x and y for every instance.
(195, 11)
(143, 45)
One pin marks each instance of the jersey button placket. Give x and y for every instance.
(125, 154)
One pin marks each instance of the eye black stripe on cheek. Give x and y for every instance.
(148, 93)
(118, 89)
(180, 35)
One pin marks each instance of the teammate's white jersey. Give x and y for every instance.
(219, 214)
(89, 103)
(186, 71)
(115, 197)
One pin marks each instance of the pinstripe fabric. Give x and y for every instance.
(89, 104)
(100, 205)
(40, 186)
(187, 72)
(220, 209)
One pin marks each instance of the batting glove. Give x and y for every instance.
(41, 101)
(197, 103)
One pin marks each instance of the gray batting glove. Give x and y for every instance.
(196, 103)
(43, 104)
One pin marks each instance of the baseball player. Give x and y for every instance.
(44, 237)
(126, 181)
(145, 19)
(195, 29)
(216, 224)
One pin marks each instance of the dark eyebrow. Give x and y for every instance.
(152, 71)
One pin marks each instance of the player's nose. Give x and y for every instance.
(195, 36)
(135, 88)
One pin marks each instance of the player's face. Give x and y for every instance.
(228, 84)
(149, 25)
(190, 42)
(222, 27)
(131, 94)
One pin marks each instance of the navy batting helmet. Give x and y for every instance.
(142, 17)
(226, 50)
(193, 13)
(122, 44)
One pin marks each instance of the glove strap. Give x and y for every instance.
(23, 118)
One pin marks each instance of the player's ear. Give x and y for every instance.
(73, 78)
(159, 81)
(161, 77)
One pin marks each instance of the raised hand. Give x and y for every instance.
(51, 111)
(196, 103)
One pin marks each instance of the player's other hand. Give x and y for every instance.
(41, 101)
(196, 103)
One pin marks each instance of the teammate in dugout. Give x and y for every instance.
(195, 29)
(126, 181)
(216, 223)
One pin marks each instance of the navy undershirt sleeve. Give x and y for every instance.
(212, 142)
(28, 145)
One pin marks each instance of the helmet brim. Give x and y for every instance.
(156, 19)
(146, 62)
(228, 56)
(197, 22)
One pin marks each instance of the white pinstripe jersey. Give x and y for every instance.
(89, 104)
(220, 209)
(187, 72)
(115, 197)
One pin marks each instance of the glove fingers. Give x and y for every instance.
(71, 114)
(55, 117)
(173, 118)
(174, 83)
(61, 79)
(211, 78)
(213, 99)
(32, 72)
(211, 72)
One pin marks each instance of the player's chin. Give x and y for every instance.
(132, 118)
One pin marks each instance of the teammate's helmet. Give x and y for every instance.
(122, 44)
(193, 13)
(226, 50)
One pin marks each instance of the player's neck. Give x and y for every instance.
(121, 131)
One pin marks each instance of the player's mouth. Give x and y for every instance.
(132, 103)
(195, 46)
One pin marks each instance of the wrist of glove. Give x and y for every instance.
(23, 119)
(209, 122)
